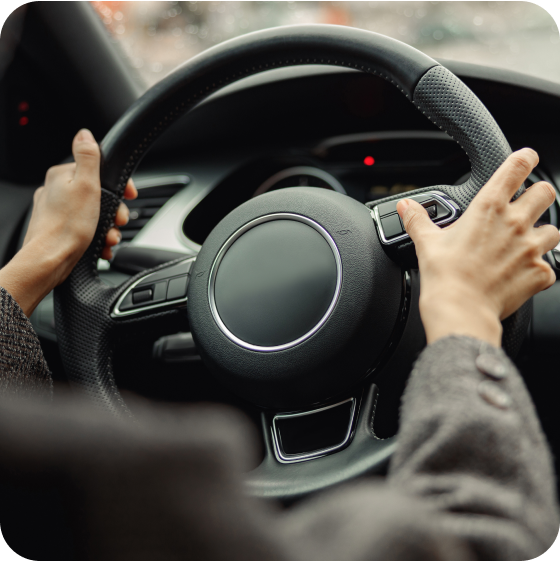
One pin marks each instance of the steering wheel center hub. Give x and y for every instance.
(292, 298)
(275, 282)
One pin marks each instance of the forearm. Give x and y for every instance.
(471, 445)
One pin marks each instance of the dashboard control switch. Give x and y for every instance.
(177, 288)
(392, 226)
(144, 295)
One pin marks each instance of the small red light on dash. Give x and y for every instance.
(23, 121)
(369, 161)
(23, 106)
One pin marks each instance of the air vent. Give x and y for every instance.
(153, 193)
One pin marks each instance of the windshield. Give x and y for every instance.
(158, 36)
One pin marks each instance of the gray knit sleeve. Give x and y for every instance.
(471, 446)
(23, 369)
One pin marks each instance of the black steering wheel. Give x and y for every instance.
(298, 296)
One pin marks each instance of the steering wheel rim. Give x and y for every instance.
(83, 304)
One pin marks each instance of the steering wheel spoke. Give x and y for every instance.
(358, 452)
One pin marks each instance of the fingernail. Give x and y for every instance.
(85, 136)
(119, 237)
(402, 206)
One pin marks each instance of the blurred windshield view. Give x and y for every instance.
(158, 36)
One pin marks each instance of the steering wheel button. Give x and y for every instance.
(493, 395)
(387, 208)
(491, 366)
(177, 288)
(442, 211)
(142, 296)
(392, 226)
(160, 291)
(432, 211)
(422, 198)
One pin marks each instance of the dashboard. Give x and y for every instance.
(326, 128)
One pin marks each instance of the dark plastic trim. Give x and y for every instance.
(365, 454)
(85, 40)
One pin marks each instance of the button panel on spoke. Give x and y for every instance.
(165, 287)
(441, 209)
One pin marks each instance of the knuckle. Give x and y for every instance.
(521, 161)
(519, 223)
(531, 252)
(51, 174)
(491, 203)
(88, 184)
(88, 150)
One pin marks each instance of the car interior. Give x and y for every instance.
(344, 132)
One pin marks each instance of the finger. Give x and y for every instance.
(509, 177)
(37, 194)
(122, 216)
(130, 191)
(535, 201)
(416, 221)
(87, 155)
(107, 254)
(551, 276)
(113, 237)
(548, 237)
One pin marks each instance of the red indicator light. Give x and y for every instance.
(369, 161)
(23, 106)
(23, 121)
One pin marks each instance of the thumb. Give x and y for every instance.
(87, 156)
(415, 220)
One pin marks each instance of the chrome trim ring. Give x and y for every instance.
(229, 243)
(292, 458)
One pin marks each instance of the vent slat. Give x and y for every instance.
(153, 193)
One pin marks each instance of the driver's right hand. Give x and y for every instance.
(483, 267)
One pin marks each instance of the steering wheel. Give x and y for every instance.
(299, 298)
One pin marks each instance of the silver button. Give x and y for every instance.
(493, 395)
(491, 365)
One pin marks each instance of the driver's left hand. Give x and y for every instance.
(63, 223)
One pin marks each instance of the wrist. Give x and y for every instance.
(460, 315)
(31, 275)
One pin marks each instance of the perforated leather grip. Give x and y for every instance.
(82, 303)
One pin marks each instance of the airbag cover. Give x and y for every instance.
(275, 283)
(354, 336)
